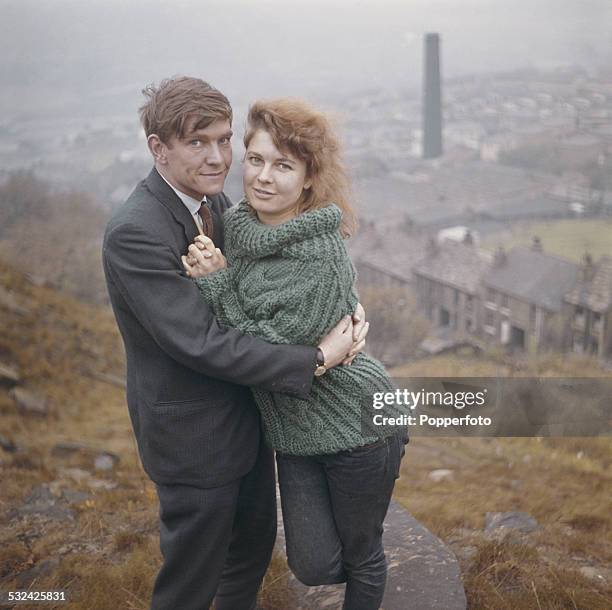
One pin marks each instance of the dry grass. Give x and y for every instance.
(108, 556)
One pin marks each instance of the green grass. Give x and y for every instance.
(567, 238)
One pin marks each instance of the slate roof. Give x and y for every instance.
(535, 277)
(456, 264)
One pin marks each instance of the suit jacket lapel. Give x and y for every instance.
(169, 199)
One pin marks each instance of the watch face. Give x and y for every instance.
(319, 371)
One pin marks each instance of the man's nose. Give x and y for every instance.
(214, 156)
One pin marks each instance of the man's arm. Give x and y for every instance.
(147, 274)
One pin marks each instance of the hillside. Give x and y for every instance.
(78, 513)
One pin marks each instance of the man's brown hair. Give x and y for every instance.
(179, 104)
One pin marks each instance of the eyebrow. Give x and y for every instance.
(194, 135)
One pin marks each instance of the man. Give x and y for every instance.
(194, 419)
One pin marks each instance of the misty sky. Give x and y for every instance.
(94, 56)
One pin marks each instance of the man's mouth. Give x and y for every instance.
(214, 174)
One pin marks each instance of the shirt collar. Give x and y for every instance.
(193, 205)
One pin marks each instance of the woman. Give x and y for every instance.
(289, 280)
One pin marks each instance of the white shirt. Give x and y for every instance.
(193, 205)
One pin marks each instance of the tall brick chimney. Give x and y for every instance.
(432, 99)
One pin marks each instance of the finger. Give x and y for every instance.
(362, 333)
(359, 314)
(199, 254)
(357, 328)
(358, 347)
(185, 263)
(205, 241)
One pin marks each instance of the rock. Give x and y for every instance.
(591, 573)
(421, 569)
(44, 568)
(106, 461)
(67, 449)
(42, 502)
(76, 474)
(9, 375)
(29, 403)
(102, 484)
(442, 474)
(74, 496)
(497, 524)
(7, 444)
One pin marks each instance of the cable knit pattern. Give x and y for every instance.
(291, 283)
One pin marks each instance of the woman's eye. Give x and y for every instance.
(254, 160)
(284, 166)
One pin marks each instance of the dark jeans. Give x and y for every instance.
(333, 510)
(216, 542)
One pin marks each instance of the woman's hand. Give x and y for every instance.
(203, 258)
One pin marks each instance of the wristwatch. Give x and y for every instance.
(321, 368)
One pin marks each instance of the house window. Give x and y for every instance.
(489, 318)
(491, 295)
(504, 300)
(469, 302)
(532, 316)
(456, 297)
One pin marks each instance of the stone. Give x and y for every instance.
(106, 461)
(66, 449)
(7, 444)
(9, 375)
(102, 484)
(591, 573)
(442, 474)
(76, 474)
(74, 496)
(423, 572)
(43, 503)
(29, 403)
(497, 524)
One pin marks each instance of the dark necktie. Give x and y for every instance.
(207, 220)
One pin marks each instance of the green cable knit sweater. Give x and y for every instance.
(291, 283)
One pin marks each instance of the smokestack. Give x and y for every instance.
(432, 102)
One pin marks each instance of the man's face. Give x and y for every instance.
(197, 164)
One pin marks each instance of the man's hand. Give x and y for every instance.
(360, 331)
(203, 258)
(337, 342)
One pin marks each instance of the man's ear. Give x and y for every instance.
(158, 149)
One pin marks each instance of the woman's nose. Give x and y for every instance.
(264, 175)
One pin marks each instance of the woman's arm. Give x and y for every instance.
(321, 293)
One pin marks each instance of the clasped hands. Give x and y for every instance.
(341, 344)
(203, 258)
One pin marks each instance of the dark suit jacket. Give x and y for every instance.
(194, 425)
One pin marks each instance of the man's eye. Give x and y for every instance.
(225, 140)
(196, 142)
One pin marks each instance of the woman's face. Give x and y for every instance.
(273, 180)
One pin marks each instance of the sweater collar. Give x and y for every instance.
(258, 240)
